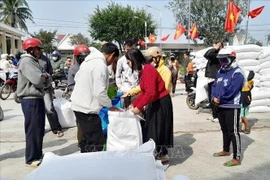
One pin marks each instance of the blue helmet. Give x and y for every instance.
(56, 53)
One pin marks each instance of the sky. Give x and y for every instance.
(70, 16)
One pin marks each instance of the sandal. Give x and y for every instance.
(60, 134)
(232, 162)
(34, 164)
(246, 131)
(222, 153)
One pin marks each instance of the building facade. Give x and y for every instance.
(10, 39)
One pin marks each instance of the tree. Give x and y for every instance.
(210, 16)
(268, 39)
(47, 38)
(15, 13)
(117, 23)
(79, 39)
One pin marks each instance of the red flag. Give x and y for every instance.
(233, 14)
(152, 38)
(255, 12)
(165, 38)
(194, 32)
(141, 42)
(179, 31)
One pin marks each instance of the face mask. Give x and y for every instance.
(172, 58)
(54, 58)
(224, 63)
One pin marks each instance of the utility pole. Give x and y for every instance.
(188, 24)
(248, 9)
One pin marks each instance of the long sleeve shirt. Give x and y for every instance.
(152, 87)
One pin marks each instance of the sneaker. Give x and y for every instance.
(210, 118)
(215, 120)
(164, 159)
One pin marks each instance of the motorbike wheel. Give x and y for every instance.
(191, 103)
(16, 98)
(5, 91)
(1, 114)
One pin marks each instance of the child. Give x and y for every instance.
(245, 102)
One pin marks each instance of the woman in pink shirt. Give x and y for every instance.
(159, 112)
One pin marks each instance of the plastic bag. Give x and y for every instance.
(124, 131)
(66, 116)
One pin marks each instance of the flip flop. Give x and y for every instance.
(232, 163)
(34, 164)
(220, 154)
(60, 134)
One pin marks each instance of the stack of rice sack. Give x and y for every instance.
(261, 93)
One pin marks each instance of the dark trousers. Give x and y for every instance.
(229, 123)
(212, 105)
(34, 115)
(51, 113)
(174, 82)
(188, 82)
(93, 138)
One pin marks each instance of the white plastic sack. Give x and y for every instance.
(58, 93)
(265, 65)
(247, 48)
(264, 71)
(201, 93)
(248, 62)
(248, 55)
(265, 59)
(265, 77)
(259, 109)
(125, 165)
(265, 84)
(256, 69)
(260, 102)
(124, 131)
(261, 94)
(66, 116)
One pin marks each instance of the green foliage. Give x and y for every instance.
(15, 13)
(117, 23)
(79, 39)
(268, 39)
(47, 38)
(210, 16)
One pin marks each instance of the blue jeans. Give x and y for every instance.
(34, 124)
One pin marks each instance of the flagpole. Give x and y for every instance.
(188, 24)
(246, 35)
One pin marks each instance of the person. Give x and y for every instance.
(153, 56)
(174, 67)
(189, 75)
(80, 52)
(90, 95)
(159, 111)
(67, 65)
(125, 78)
(50, 111)
(58, 66)
(246, 99)
(5, 65)
(226, 94)
(30, 88)
(211, 70)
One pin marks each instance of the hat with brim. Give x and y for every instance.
(148, 58)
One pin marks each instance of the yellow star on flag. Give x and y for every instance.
(232, 17)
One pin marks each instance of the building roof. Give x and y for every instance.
(64, 44)
(60, 37)
(10, 29)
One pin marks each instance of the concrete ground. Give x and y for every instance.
(196, 139)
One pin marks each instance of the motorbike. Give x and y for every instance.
(197, 97)
(2, 77)
(9, 86)
(1, 114)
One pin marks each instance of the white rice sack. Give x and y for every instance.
(265, 78)
(256, 69)
(247, 48)
(248, 62)
(265, 84)
(259, 109)
(248, 55)
(265, 59)
(260, 94)
(265, 65)
(264, 71)
(260, 102)
(266, 52)
(257, 82)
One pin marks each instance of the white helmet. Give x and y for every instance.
(226, 57)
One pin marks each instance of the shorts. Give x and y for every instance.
(244, 111)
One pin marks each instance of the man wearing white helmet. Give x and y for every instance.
(226, 95)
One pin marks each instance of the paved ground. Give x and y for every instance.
(196, 139)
